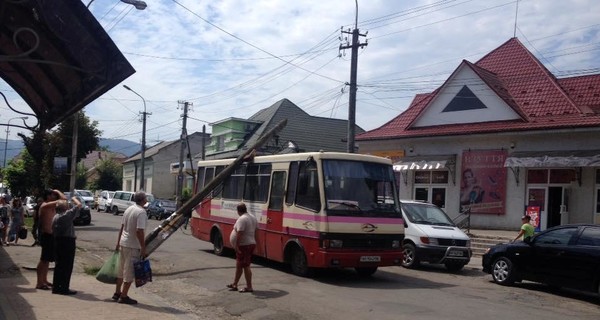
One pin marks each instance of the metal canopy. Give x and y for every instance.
(554, 159)
(57, 56)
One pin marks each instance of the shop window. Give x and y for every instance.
(562, 175)
(431, 177)
(428, 189)
(537, 176)
(422, 177)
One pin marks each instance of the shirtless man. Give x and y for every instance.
(46, 214)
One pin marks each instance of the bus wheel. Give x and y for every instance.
(366, 271)
(217, 241)
(299, 263)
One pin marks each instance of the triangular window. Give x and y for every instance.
(465, 99)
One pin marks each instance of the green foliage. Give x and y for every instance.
(186, 194)
(17, 178)
(110, 175)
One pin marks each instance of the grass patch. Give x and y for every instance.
(91, 271)
(29, 222)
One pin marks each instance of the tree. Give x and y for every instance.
(17, 178)
(110, 175)
(45, 146)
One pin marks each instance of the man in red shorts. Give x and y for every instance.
(243, 240)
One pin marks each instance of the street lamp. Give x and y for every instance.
(143, 137)
(6, 140)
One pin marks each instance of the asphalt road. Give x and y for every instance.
(189, 276)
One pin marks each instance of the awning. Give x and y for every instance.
(57, 57)
(553, 159)
(437, 162)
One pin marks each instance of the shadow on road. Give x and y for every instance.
(560, 292)
(11, 278)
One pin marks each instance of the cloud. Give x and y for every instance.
(232, 58)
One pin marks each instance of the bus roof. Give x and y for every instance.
(303, 156)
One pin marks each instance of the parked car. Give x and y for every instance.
(161, 209)
(29, 206)
(123, 200)
(431, 236)
(87, 196)
(563, 256)
(85, 214)
(105, 200)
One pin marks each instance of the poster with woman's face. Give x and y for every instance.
(483, 181)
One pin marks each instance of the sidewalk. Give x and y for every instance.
(19, 300)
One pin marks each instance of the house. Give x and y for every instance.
(92, 159)
(303, 132)
(157, 174)
(502, 137)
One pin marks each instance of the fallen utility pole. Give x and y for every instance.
(179, 217)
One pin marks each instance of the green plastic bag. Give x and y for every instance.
(108, 272)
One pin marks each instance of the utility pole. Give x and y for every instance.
(183, 138)
(74, 153)
(353, 70)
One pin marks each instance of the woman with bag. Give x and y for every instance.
(17, 219)
(4, 220)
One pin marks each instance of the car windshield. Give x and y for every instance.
(168, 203)
(422, 213)
(111, 195)
(85, 193)
(355, 188)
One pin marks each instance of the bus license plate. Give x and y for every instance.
(455, 253)
(370, 259)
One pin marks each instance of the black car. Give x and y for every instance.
(85, 214)
(161, 209)
(564, 256)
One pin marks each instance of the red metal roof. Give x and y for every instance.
(543, 101)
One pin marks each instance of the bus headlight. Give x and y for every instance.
(395, 244)
(336, 243)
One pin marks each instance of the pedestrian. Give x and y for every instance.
(46, 215)
(17, 219)
(527, 229)
(243, 240)
(4, 220)
(35, 229)
(131, 246)
(64, 245)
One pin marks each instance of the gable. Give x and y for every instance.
(465, 98)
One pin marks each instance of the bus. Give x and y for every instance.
(314, 210)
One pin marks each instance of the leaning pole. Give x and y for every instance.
(161, 233)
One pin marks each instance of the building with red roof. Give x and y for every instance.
(502, 137)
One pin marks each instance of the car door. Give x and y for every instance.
(584, 259)
(549, 261)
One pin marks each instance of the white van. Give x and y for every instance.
(105, 200)
(431, 236)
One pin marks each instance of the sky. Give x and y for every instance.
(233, 58)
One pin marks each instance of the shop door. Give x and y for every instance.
(556, 205)
(433, 195)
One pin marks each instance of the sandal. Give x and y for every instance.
(232, 287)
(246, 290)
(43, 287)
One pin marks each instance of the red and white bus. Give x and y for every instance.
(314, 210)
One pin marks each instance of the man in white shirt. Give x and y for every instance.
(131, 246)
(243, 240)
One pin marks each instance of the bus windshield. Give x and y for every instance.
(354, 188)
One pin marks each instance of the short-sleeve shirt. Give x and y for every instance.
(247, 224)
(134, 218)
(529, 230)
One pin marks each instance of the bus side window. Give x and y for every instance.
(233, 186)
(307, 194)
(292, 182)
(277, 191)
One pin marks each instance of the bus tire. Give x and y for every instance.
(366, 271)
(217, 240)
(299, 263)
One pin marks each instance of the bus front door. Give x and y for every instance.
(274, 236)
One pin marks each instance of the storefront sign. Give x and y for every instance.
(483, 181)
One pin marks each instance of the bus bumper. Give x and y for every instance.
(355, 259)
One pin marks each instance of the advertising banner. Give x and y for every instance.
(534, 213)
(483, 181)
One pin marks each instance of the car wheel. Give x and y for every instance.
(409, 256)
(454, 266)
(218, 247)
(366, 271)
(299, 264)
(115, 210)
(503, 271)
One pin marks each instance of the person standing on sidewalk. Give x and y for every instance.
(47, 212)
(17, 219)
(527, 229)
(64, 245)
(35, 229)
(131, 244)
(4, 218)
(243, 240)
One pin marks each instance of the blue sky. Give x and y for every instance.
(232, 58)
